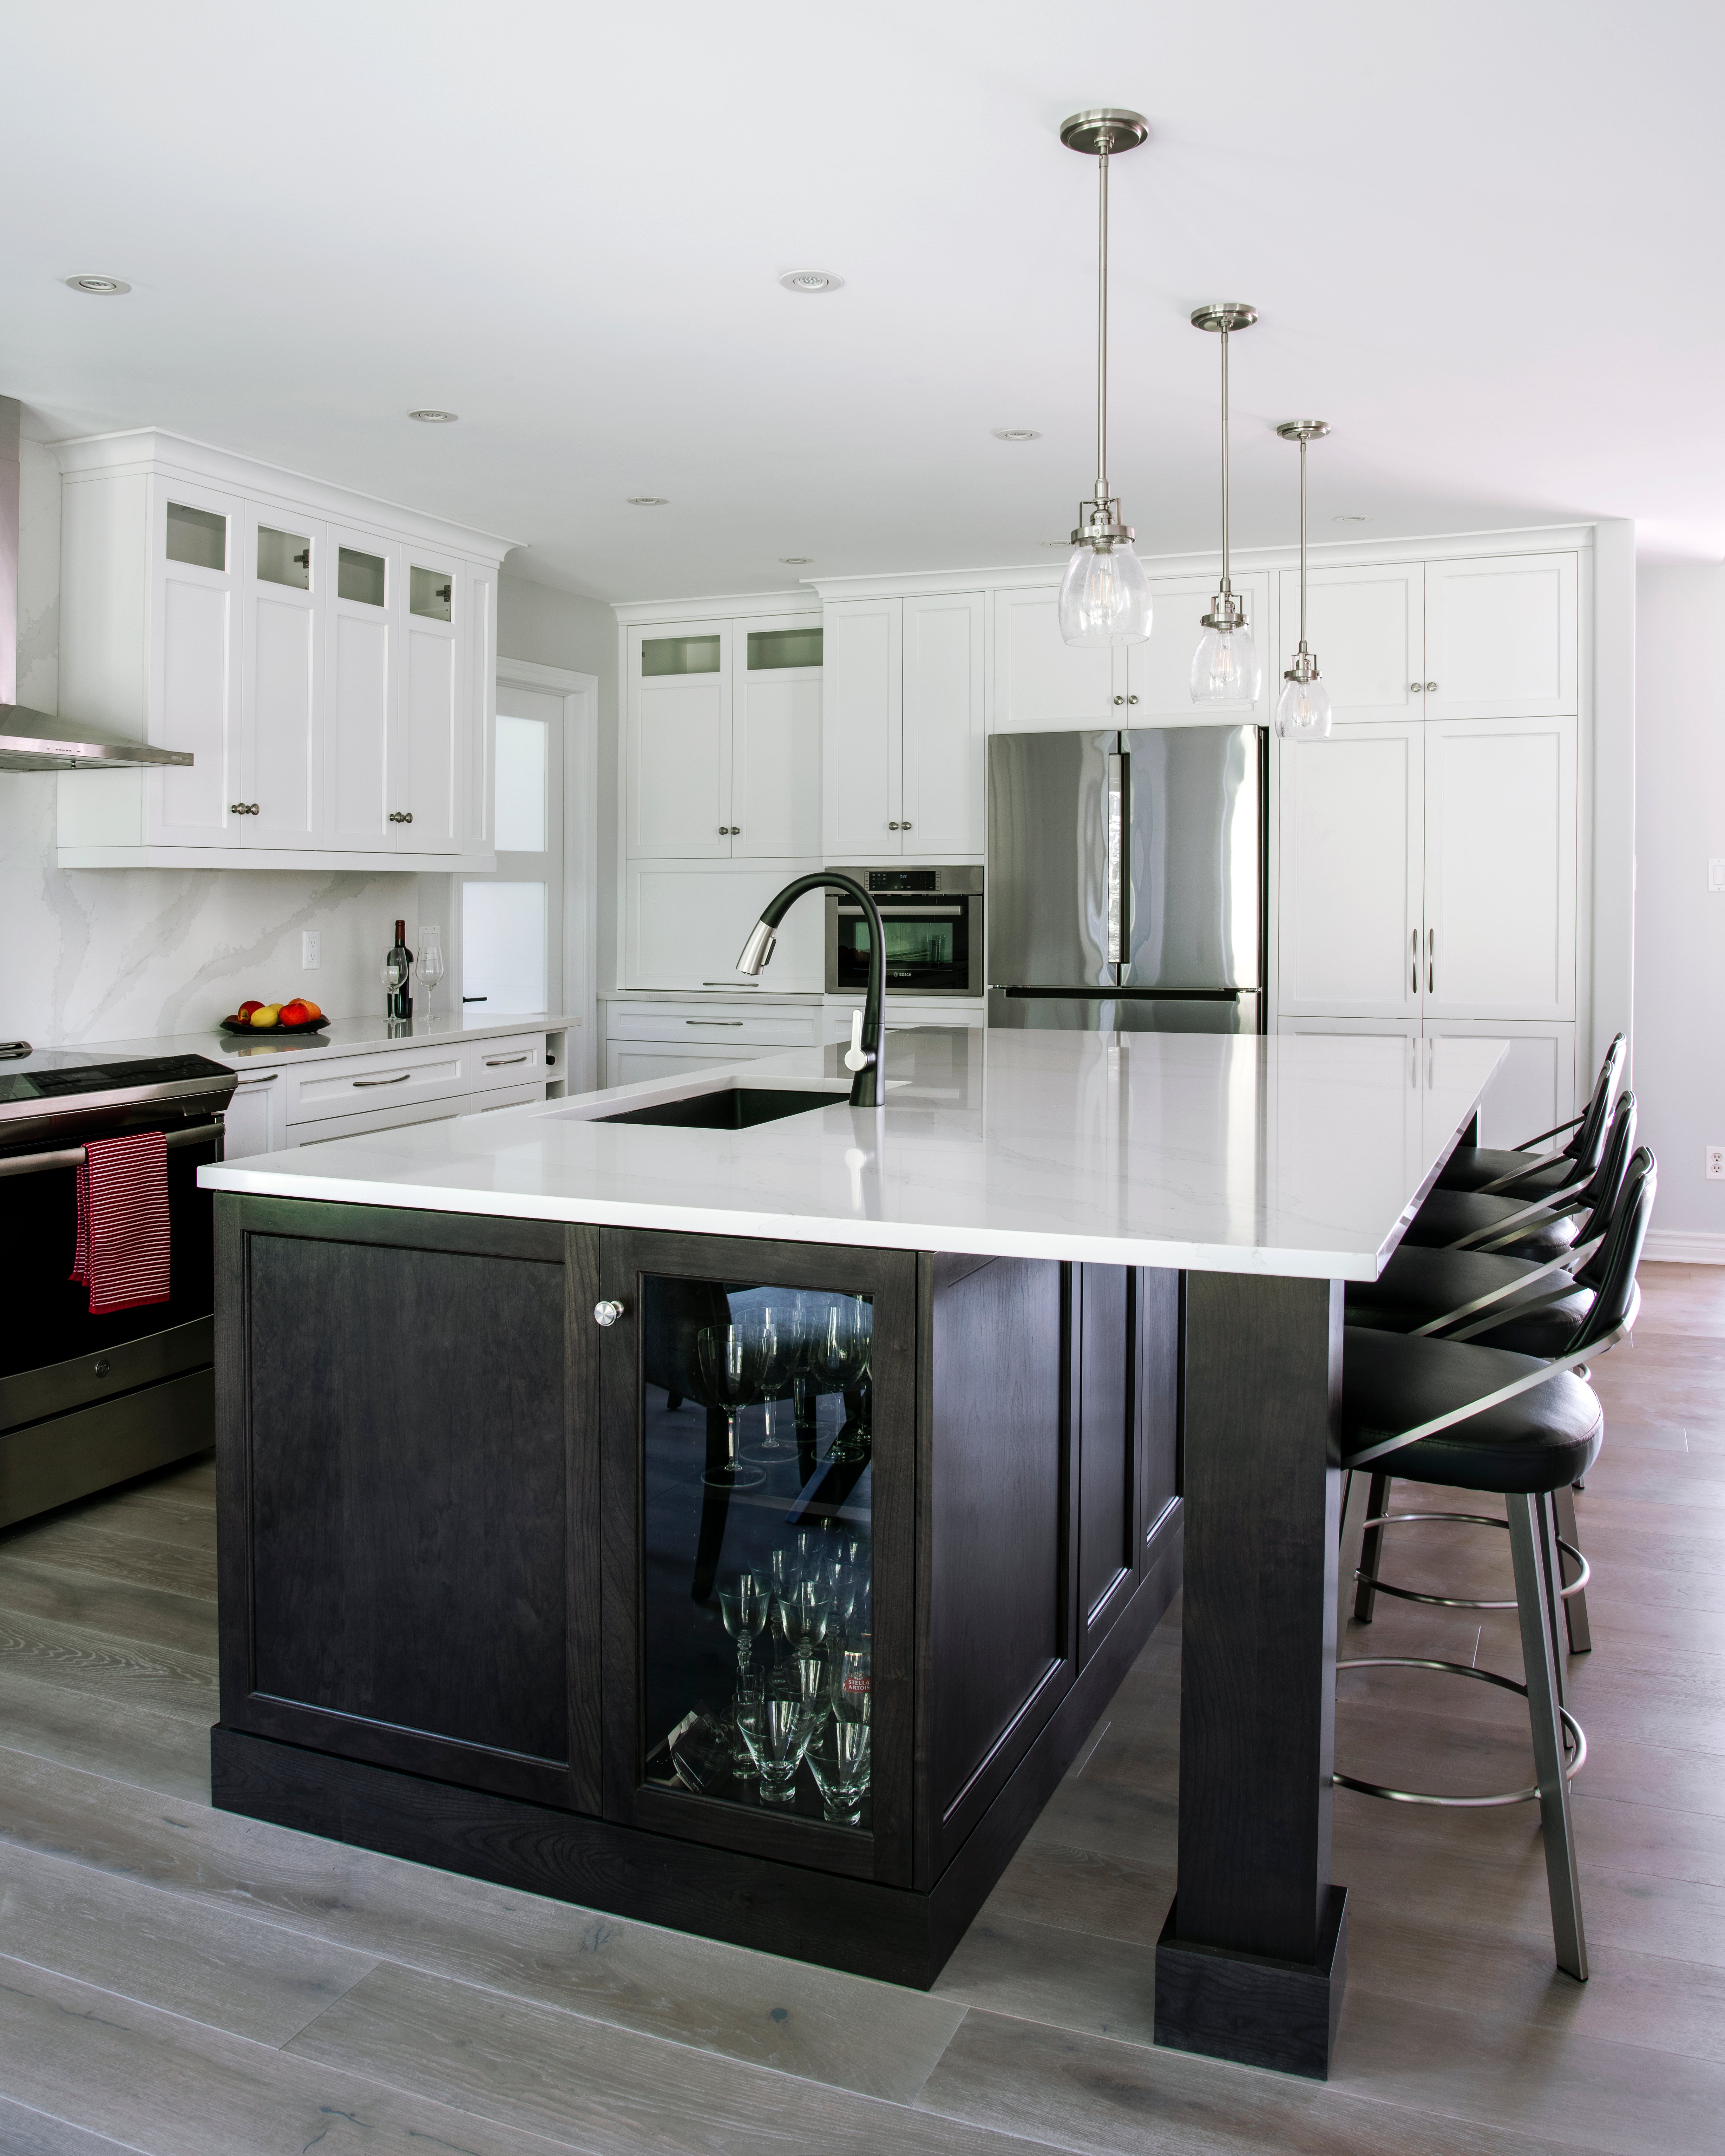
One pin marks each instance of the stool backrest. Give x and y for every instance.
(1589, 1139)
(1600, 1195)
(1622, 1252)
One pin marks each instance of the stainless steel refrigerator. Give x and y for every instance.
(1127, 880)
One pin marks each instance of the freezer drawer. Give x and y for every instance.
(1235, 1014)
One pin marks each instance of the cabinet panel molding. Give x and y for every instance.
(1368, 627)
(1501, 637)
(942, 804)
(1041, 682)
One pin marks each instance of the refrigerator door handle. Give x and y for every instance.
(1115, 807)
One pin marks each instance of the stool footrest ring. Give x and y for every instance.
(1574, 1737)
(1463, 1601)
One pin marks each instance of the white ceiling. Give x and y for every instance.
(1482, 239)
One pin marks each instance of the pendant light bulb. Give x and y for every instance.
(1225, 667)
(1303, 713)
(1105, 598)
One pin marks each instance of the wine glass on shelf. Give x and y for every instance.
(743, 1600)
(768, 1330)
(838, 1758)
(776, 1727)
(839, 1363)
(730, 1365)
(430, 962)
(852, 1679)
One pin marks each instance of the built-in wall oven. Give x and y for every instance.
(933, 923)
(84, 1401)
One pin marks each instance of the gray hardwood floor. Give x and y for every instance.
(179, 1981)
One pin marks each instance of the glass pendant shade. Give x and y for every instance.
(1106, 596)
(1303, 713)
(1226, 667)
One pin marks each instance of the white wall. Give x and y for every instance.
(1680, 926)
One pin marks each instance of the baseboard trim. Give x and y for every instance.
(1680, 1246)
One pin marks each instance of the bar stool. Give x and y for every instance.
(1539, 1228)
(1486, 1167)
(1484, 1418)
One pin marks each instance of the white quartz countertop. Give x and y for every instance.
(1303, 1155)
(342, 1036)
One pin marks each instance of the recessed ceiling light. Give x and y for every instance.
(810, 281)
(431, 417)
(797, 561)
(650, 501)
(1350, 520)
(104, 288)
(1017, 434)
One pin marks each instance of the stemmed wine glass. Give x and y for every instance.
(730, 1362)
(776, 1350)
(430, 962)
(743, 1602)
(838, 1357)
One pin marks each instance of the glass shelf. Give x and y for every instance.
(430, 593)
(360, 577)
(284, 557)
(197, 535)
(757, 1571)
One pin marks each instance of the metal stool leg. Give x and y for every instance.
(1581, 1637)
(1552, 1565)
(1371, 1547)
(1526, 1539)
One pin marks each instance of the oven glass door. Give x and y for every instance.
(927, 947)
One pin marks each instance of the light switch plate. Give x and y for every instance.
(312, 942)
(1716, 875)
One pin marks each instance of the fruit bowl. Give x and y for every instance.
(264, 1032)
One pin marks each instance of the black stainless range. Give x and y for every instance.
(84, 1401)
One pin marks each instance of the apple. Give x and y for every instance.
(266, 1014)
(245, 1010)
(296, 1014)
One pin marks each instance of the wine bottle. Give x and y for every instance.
(399, 1004)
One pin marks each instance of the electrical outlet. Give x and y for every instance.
(1716, 875)
(1716, 1164)
(311, 950)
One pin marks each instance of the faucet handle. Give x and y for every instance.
(856, 1058)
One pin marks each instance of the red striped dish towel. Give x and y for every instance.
(122, 1222)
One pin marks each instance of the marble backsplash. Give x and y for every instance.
(114, 954)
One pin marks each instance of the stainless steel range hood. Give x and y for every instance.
(38, 741)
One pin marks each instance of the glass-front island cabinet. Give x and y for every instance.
(761, 1588)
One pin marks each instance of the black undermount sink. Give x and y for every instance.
(727, 1108)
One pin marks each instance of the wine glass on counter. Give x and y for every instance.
(430, 962)
(730, 1364)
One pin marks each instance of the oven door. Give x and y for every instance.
(928, 947)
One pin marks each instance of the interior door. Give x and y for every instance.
(1352, 863)
(1500, 869)
(196, 665)
(1366, 625)
(281, 574)
(508, 953)
(945, 724)
(862, 760)
(677, 755)
(427, 760)
(775, 743)
(364, 606)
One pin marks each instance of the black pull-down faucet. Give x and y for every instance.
(863, 1057)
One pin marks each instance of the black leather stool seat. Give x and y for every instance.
(1447, 1215)
(1542, 1440)
(1419, 1284)
(1468, 1167)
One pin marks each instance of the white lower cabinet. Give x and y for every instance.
(311, 1102)
(628, 1062)
(248, 1120)
(905, 1010)
(685, 923)
(1534, 1088)
(646, 1040)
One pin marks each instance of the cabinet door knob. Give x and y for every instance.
(1431, 688)
(1414, 687)
(905, 826)
(1131, 699)
(607, 1313)
(1120, 700)
(892, 827)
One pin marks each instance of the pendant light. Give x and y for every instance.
(1303, 713)
(1225, 667)
(1106, 596)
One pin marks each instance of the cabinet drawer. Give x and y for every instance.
(512, 1061)
(505, 1096)
(716, 1027)
(358, 1083)
(627, 1062)
(329, 1128)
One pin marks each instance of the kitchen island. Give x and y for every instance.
(563, 1450)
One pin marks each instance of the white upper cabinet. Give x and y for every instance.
(1367, 626)
(1042, 684)
(1501, 637)
(1500, 869)
(776, 738)
(943, 808)
(905, 727)
(1352, 864)
(1159, 673)
(862, 729)
(329, 670)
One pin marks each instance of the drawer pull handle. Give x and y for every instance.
(400, 1078)
(268, 1078)
(497, 1062)
(712, 1021)
(401, 816)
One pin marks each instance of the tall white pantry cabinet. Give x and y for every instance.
(329, 661)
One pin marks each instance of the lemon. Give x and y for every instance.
(270, 1014)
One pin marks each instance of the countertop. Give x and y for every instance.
(342, 1036)
(1301, 1156)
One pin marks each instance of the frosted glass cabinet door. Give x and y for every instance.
(1352, 846)
(1500, 869)
(195, 666)
(1367, 626)
(862, 748)
(364, 691)
(678, 750)
(281, 706)
(1500, 637)
(943, 801)
(1041, 682)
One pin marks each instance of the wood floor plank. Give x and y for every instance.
(81, 1544)
(1094, 2093)
(133, 1745)
(24, 2132)
(189, 1958)
(104, 1668)
(1067, 1978)
(533, 2068)
(879, 2039)
(155, 1616)
(166, 2086)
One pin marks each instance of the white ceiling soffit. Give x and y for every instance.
(1478, 237)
